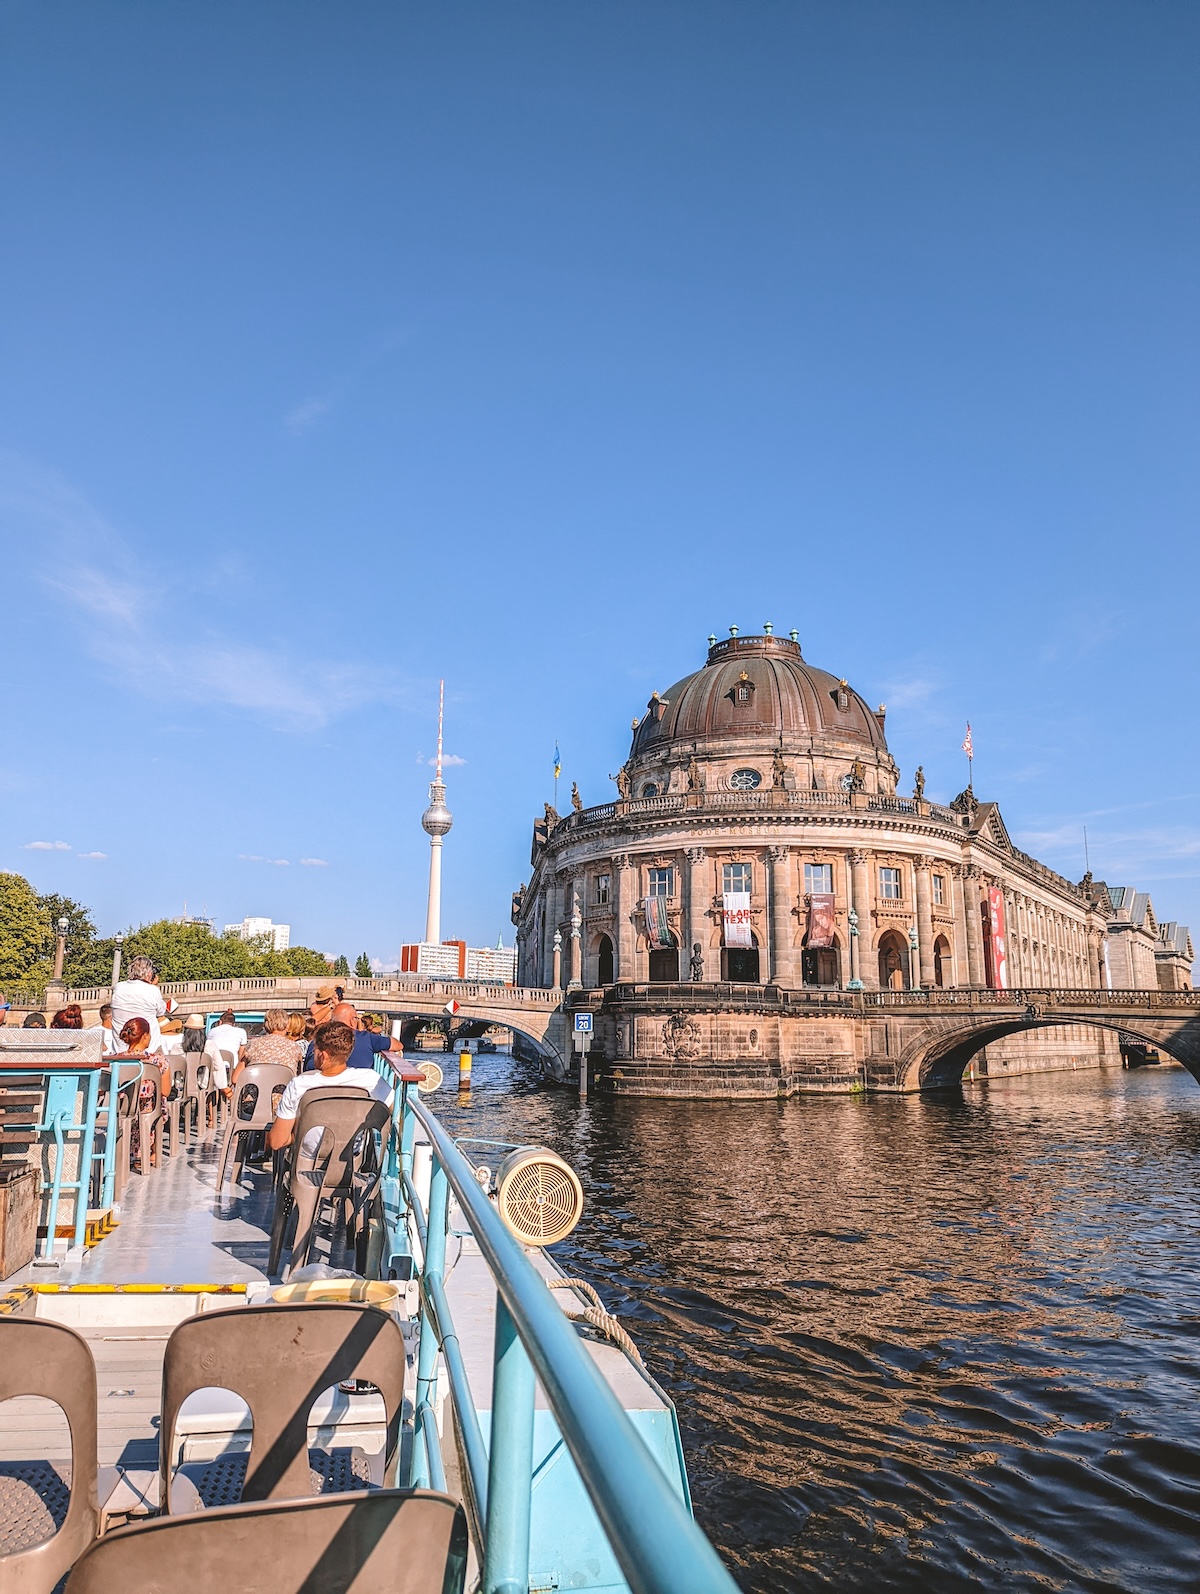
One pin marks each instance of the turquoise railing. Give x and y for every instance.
(655, 1541)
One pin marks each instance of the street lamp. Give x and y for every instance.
(60, 948)
(854, 983)
(557, 982)
(576, 961)
(914, 960)
(118, 943)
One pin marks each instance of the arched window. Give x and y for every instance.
(664, 965)
(893, 961)
(821, 966)
(604, 961)
(740, 964)
(943, 964)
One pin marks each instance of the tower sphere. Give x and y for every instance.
(437, 818)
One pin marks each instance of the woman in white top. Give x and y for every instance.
(138, 996)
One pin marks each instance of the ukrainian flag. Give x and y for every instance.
(557, 762)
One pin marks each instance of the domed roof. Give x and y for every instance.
(758, 686)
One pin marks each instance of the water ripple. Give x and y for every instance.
(914, 1344)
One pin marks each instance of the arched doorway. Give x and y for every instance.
(604, 960)
(822, 966)
(664, 964)
(943, 963)
(893, 961)
(739, 964)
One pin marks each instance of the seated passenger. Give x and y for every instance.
(333, 1043)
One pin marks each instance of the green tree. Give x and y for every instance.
(304, 961)
(86, 961)
(342, 967)
(25, 934)
(362, 966)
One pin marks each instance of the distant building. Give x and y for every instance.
(1140, 954)
(455, 960)
(1174, 957)
(252, 929)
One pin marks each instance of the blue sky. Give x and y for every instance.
(347, 347)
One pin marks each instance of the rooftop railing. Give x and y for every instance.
(656, 1543)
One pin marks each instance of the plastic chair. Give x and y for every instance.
(329, 1172)
(196, 1096)
(151, 1115)
(119, 1124)
(279, 1359)
(395, 1541)
(222, 1060)
(255, 1098)
(41, 1501)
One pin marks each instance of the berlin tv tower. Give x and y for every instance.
(436, 821)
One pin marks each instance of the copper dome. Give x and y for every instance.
(758, 686)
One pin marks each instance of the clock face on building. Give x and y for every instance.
(745, 779)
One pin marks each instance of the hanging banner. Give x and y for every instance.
(658, 930)
(820, 920)
(997, 940)
(737, 918)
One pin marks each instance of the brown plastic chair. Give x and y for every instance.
(195, 1099)
(49, 1513)
(331, 1172)
(269, 1080)
(151, 1115)
(128, 1080)
(395, 1541)
(278, 1359)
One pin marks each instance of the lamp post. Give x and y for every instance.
(558, 960)
(576, 979)
(60, 948)
(914, 959)
(853, 983)
(118, 943)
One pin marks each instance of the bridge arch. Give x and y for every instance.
(938, 1057)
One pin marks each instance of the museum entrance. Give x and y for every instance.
(893, 961)
(821, 965)
(664, 965)
(943, 967)
(739, 964)
(604, 960)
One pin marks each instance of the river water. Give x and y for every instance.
(914, 1344)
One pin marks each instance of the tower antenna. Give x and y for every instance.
(436, 822)
(1087, 862)
(441, 709)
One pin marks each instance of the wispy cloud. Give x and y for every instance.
(315, 863)
(47, 846)
(280, 863)
(250, 857)
(93, 855)
(302, 417)
(142, 636)
(450, 760)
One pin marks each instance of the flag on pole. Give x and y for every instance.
(968, 745)
(557, 762)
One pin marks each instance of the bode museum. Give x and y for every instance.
(759, 853)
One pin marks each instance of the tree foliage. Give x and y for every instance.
(362, 966)
(342, 967)
(178, 951)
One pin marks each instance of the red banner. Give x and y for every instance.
(820, 920)
(997, 941)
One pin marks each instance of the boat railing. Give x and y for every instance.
(649, 1527)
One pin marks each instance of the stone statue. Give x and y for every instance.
(858, 776)
(551, 816)
(695, 780)
(919, 783)
(576, 799)
(697, 961)
(624, 783)
(778, 769)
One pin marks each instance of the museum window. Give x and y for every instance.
(818, 878)
(662, 883)
(939, 890)
(603, 889)
(650, 790)
(889, 885)
(745, 780)
(736, 876)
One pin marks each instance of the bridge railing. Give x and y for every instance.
(649, 1528)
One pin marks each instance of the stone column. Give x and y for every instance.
(782, 969)
(868, 967)
(549, 926)
(925, 923)
(695, 916)
(625, 901)
(975, 965)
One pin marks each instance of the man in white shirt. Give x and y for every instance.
(138, 996)
(224, 1047)
(333, 1044)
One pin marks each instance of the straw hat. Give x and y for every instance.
(193, 1021)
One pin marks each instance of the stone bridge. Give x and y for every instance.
(705, 1040)
(538, 1015)
(737, 1040)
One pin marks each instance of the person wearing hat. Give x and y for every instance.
(193, 1033)
(322, 1003)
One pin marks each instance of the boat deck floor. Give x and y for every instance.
(174, 1230)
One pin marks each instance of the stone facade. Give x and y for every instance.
(762, 774)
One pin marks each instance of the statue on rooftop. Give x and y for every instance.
(576, 799)
(919, 783)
